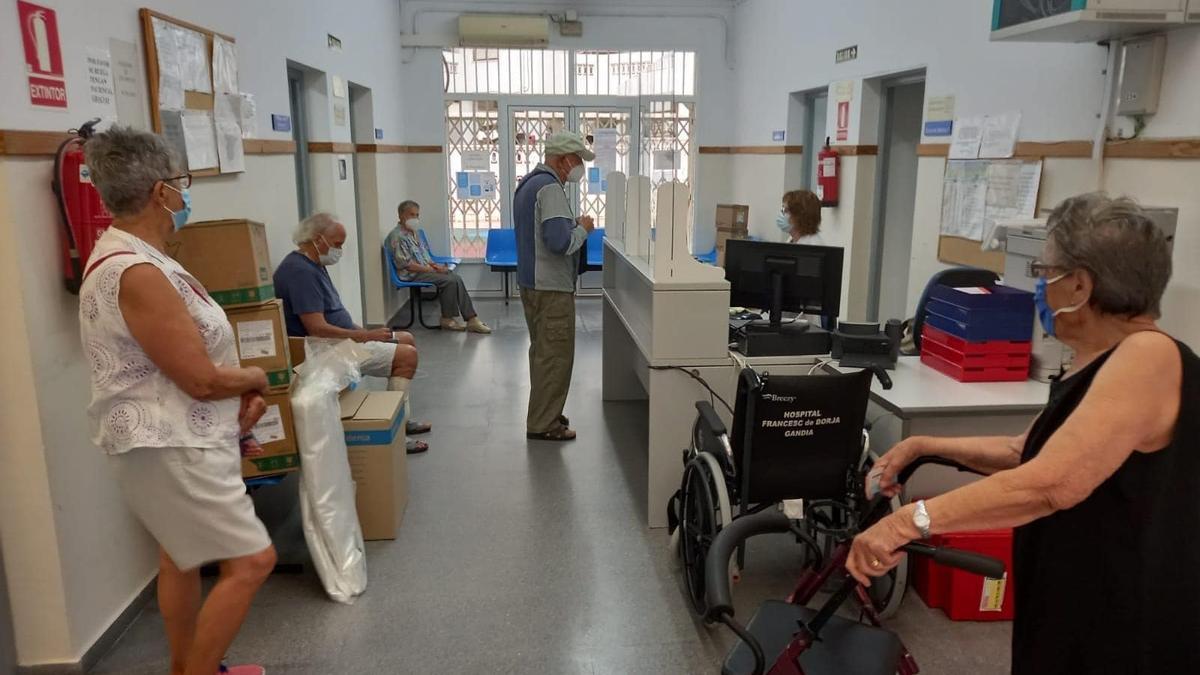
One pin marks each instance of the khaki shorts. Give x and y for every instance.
(193, 502)
(379, 364)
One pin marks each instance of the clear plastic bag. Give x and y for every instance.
(327, 507)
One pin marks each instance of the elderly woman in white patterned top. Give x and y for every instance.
(170, 402)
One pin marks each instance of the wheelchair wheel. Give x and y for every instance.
(700, 521)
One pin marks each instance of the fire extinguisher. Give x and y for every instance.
(83, 214)
(828, 164)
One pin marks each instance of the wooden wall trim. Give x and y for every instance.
(319, 147)
(856, 150)
(381, 148)
(1154, 148)
(751, 149)
(258, 146)
(17, 142)
(1024, 150)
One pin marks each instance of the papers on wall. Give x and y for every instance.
(999, 139)
(968, 133)
(339, 87)
(978, 193)
(172, 131)
(476, 160)
(476, 185)
(224, 66)
(604, 144)
(249, 112)
(228, 119)
(964, 199)
(339, 114)
(200, 136)
(101, 94)
(170, 71)
(127, 84)
(193, 60)
(939, 116)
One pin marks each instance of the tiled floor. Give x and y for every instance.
(521, 557)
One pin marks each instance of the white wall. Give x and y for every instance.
(74, 558)
(1057, 87)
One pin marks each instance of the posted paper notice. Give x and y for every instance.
(201, 138)
(968, 133)
(999, 138)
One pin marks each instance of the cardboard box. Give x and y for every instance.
(276, 432)
(229, 257)
(733, 222)
(374, 426)
(296, 350)
(261, 338)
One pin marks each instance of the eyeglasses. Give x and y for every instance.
(185, 180)
(1037, 268)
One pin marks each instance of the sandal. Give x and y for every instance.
(412, 447)
(559, 433)
(415, 428)
(562, 419)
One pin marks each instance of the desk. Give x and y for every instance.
(924, 402)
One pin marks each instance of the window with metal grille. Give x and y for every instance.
(505, 71)
(642, 73)
(472, 139)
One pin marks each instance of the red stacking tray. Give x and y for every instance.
(1008, 347)
(960, 352)
(961, 595)
(971, 373)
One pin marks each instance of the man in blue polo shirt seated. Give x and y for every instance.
(313, 308)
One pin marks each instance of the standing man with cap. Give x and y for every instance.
(549, 240)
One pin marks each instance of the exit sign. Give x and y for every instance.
(846, 54)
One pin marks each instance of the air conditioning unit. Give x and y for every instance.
(1083, 20)
(503, 30)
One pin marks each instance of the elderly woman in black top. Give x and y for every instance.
(1104, 487)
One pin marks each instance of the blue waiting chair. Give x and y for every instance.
(595, 250)
(416, 306)
(501, 254)
(448, 261)
(710, 257)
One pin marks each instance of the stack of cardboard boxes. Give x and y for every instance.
(733, 222)
(230, 258)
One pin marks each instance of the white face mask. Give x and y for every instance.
(412, 223)
(330, 257)
(576, 174)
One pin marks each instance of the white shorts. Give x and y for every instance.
(379, 363)
(193, 502)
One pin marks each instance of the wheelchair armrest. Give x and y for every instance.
(909, 470)
(716, 562)
(710, 418)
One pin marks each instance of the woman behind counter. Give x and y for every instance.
(800, 218)
(1104, 487)
(170, 402)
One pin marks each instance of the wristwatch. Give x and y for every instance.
(921, 519)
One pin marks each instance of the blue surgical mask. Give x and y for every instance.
(179, 218)
(1045, 312)
(782, 222)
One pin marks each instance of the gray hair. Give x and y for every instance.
(1125, 253)
(314, 226)
(406, 205)
(125, 164)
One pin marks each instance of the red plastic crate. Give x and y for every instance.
(994, 360)
(961, 595)
(974, 374)
(1010, 347)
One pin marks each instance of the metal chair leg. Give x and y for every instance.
(506, 288)
(421, 308)
(412, 310)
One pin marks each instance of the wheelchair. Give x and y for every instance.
(799, 440)
(791, 638)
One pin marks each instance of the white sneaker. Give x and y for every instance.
(453, 324)
(477, 326)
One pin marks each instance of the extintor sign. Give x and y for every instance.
(43, 55)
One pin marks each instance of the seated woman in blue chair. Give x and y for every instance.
(415, 263)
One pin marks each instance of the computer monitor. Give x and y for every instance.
(784, 277)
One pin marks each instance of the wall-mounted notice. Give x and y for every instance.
(228, 118)
(843, 93)
(964, 199)
(999, 138)
(172, 130)
(339, 87)
(476, 160)
(101, 94)
(249, 111)
(224, 65)
(339, 114)
(127, 84)
(939, 116)
(846, 54)
(201, 138)
(604, 144)
(170, 69)
(968, 132)
(977, 193)
(281, 122)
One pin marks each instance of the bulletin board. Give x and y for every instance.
(195, 101)
(975, 195)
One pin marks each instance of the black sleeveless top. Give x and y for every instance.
(1112, 585)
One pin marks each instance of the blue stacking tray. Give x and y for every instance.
(1002, 314)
